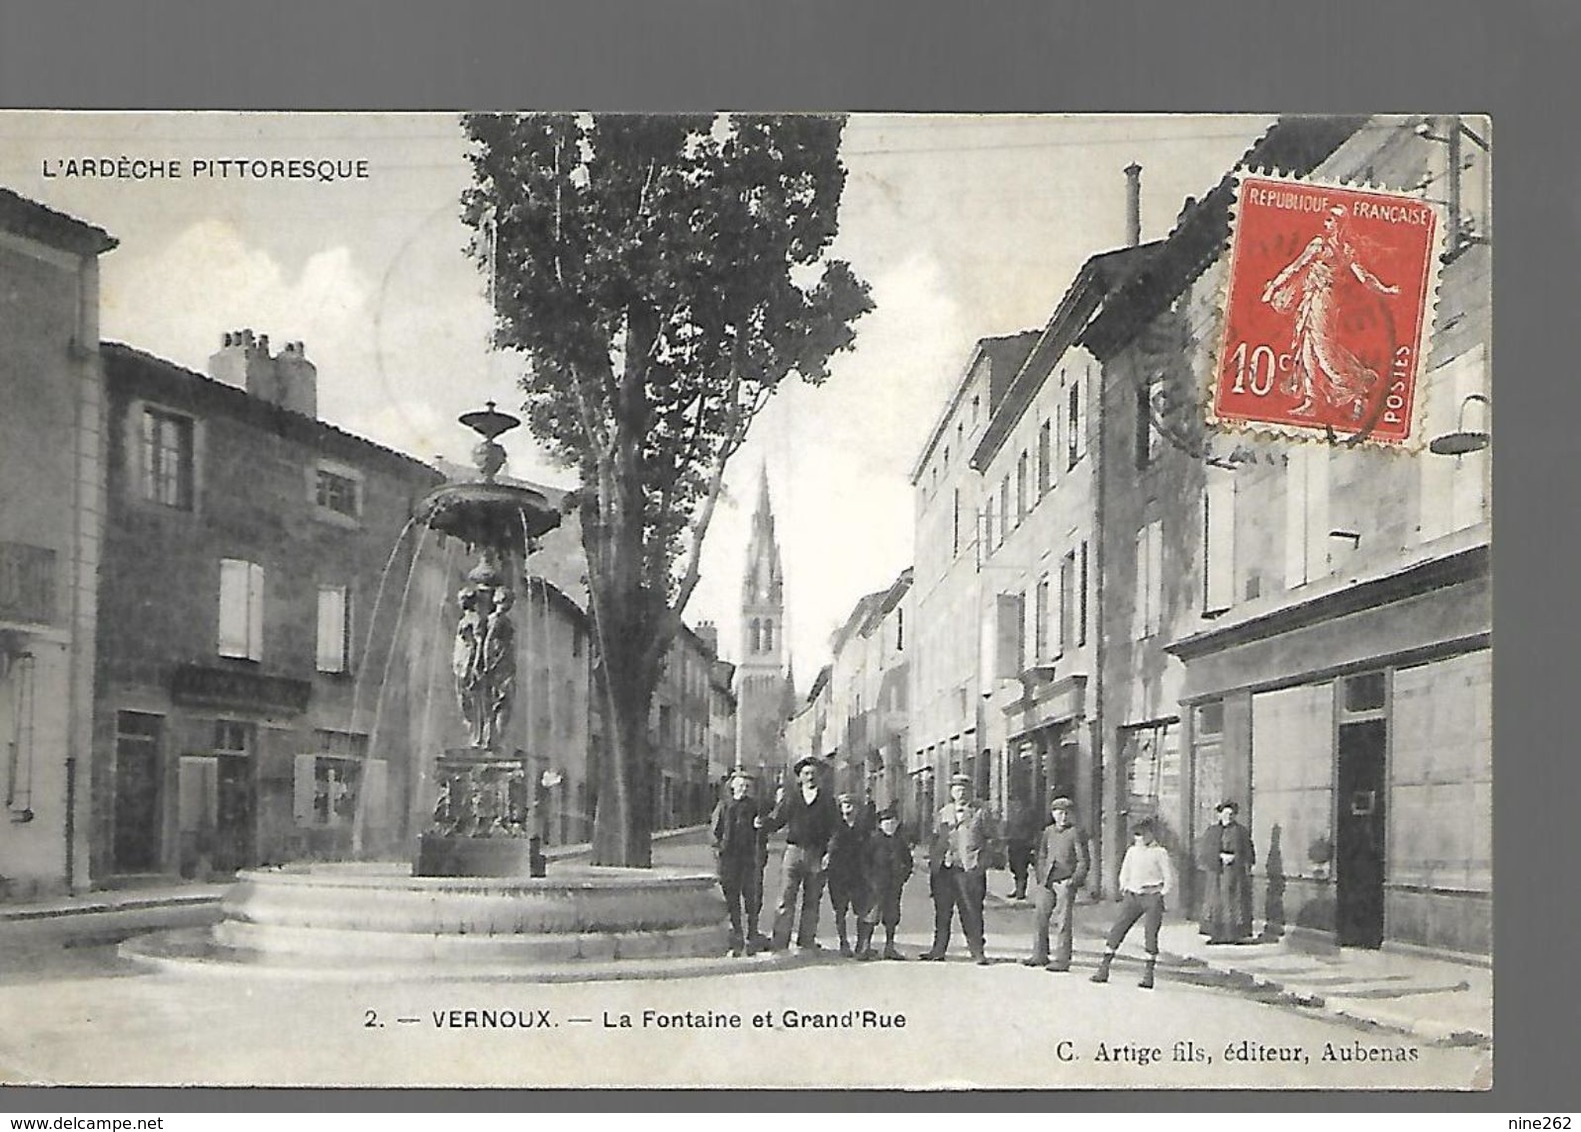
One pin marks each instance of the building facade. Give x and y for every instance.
(1304, 627)
(258, 698)
(51, 529)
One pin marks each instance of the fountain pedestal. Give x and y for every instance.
(483, 823)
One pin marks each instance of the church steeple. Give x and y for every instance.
(760, 698)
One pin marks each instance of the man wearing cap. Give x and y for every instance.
(887, 865)
(1226, 854)
(847, 849)
(807, 815)
(958, 870)
(738, 838)
(1060, 866)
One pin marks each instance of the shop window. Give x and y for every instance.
(167, 458)
(241, 609)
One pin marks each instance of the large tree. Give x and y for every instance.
(662, 276)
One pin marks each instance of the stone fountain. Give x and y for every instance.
(475, 901)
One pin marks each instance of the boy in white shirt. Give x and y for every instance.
(1146, 878)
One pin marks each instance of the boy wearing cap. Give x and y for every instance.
(1062, 860)
(737, 828)
(847, 847)
(807, 816)
(1226, 853)
(888, 864)
(1146, 878)
(958, 870)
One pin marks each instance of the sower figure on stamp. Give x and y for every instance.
(1146, 878)
(1061, 868)
(807, 815)
(1226, 852)
(958, 870)
(738, 840)
(1022, 824)
(847, 848)
(888, 864)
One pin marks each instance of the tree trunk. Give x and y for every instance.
(623, 823)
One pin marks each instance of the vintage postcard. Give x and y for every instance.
(742, 600)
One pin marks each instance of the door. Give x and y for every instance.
(236, 819)
(135, 844)
(1359, 834)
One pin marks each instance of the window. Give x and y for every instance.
(1067, 602)
(1043, 459)
(338, 492)
(328, 783)
(241, 609)
(1150, 757)
(900, 629)
(768, 636)
(167, 458)
(334, 629)
(1146, 432)
(1081, 598)
(955, 523)
(1149, 580)
(1021, 487)
(988, 527)
(232, 737)
(1218, 542)
(1073, 445)
(1004, 510)
(1041, 624)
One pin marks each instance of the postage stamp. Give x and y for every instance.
(1328, 305)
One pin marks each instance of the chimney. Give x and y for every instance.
(1133, 204)
(287, 379)
(709, 635)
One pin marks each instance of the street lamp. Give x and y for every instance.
(1471, 435)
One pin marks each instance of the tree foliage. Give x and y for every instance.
(662, 275)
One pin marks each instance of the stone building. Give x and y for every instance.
(52, 439)
(954, 512)
(869, 686)
(1304, 627)
(258, 697)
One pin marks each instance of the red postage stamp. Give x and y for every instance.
(1327, 307)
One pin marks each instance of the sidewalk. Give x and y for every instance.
(1436, 1000)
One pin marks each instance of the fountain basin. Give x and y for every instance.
(362, 918)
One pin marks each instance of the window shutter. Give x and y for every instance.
(302, 789)
(1155, 576)
(233, 607)
(255, 598)
(331, 629)
(1219, 538)
(1139, 596)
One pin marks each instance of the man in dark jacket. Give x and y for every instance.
(847, 849)
(1061, 865)
(958, 870)
(1022, 823)
(887, 861)
(807, 815)
(738, 841)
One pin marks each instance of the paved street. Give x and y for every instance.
(71, 1012)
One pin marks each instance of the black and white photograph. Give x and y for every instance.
(746, 600)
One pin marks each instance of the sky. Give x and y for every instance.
(964, 226)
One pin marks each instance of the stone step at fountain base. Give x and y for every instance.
(195, 952)
(351, 920)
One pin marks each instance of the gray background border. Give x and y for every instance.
(1517, 60)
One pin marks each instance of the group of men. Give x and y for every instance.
(854, 849)
(859, 854)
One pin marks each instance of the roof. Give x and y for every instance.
(866, 606)
(1100, 275)
(39, 222)
(1290, 145)
(126, 363)
(1005, 355)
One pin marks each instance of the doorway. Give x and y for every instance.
(1360, 833)
(135, 842)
